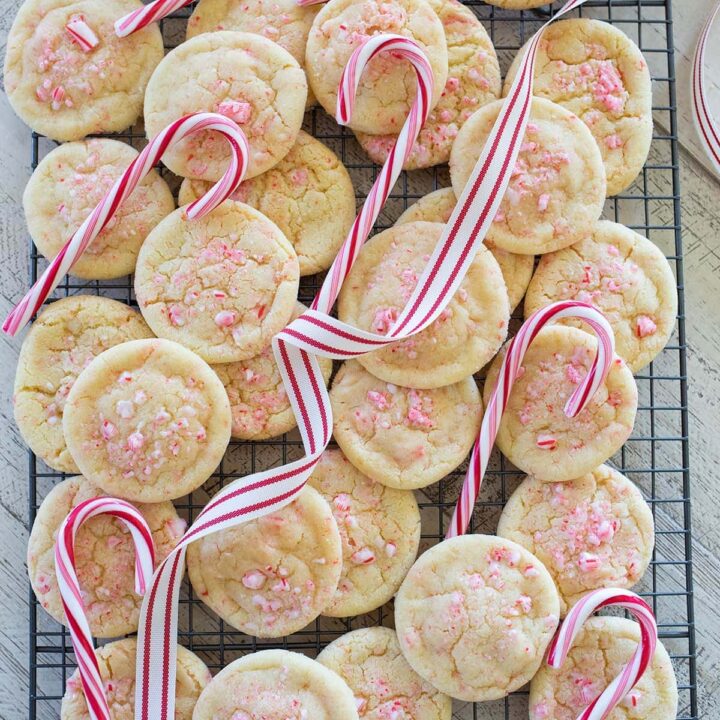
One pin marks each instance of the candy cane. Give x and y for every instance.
(707, 128)
(81, 33)
(509, 372)
(119, 192)
(631, 673)
(150, 13)
(71, 593)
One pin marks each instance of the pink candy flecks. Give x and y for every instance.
(644, 326)
(135, 441)
(225, 318)
(236, 110)
(364, 556)
(546, 442)
(253, 579)
(587, 562)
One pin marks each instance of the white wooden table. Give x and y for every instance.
(701, 235)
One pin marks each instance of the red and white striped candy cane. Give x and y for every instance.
(71, 594)
(631, 673)
(81, 33)
(150, 13)
(119, 192)
(509, 372)
(707, 128)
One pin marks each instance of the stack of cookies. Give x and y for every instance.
(142, 405)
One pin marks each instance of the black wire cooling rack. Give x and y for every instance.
(655, 457)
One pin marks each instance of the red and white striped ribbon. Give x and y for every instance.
(707, 128)
(119, 192)
(81, 33)
(71, 594)
(509, 372)
(317, 333)
(603, 704)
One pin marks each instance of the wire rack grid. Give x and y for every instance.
(655, 457)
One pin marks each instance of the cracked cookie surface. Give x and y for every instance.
(104, 557)
(65, 93)
(403, 437)
(117, 669)
(369, 660)
(474, 616)
(595, 70)
(380, 531)
(622, 274)
(464, 337)
(557, 188)
(437, 207)
(221, 285)
(272, 575)
(536, 435)
(309, 195)
(602, 646)
(276, 685)
(245, 77)
(65, 188)
(473, 81)
(259, 404)
(61, 342)
(147, 420)
(388, 86)
(592, 532)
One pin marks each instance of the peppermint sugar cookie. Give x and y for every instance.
(271, 576)
(601, 649)
(473, 81)
(309, 195)
(369, 660)
(622, 274)
(536, 435)
(65, 92)
(282, 21)
(438, 205)
(276, 685)
(465, 336)
(245, 77)
(592, 532)
(147, 420)
(117, 669)
(403, 437)
(596, 71)
(259, 404)
(62, 341)
(388, 85)
(474, 616)
(557, 188)
(221, 285)
(380, 532)
(104, 557)
(65, 188)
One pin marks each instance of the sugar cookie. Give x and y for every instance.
(276, 685)
(221, 285)
(65, 188)
(592, 532)
(380, 532)
(622, 274)
(465, 336)
(64, 338)
(63, 92)
(535, 434)
(385, 686)
(516, 269)
(104, 557)
(403, 437)
(595, 70)
(600, 650)
(309, 195)
(473, 81)
(557, 189)
(147, 420)
(273, 575)
(474, 616)
(389, 84)
(117, 669)
(250, 79)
